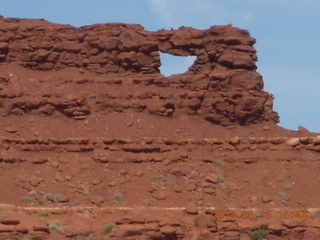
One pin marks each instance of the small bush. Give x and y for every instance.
(258, 234)
(183, 225)
(287, 186)
(44, 214)
(39, 192)
(54, 196)
(54, 226)
(160, 177)
(217, 163)
(22, 180)
(190, 197)
(283, 198)
(220, 179)
(41, 201)
(194, 166)
(317, 212)
(117, 197)
(27, 199)
(107, 228)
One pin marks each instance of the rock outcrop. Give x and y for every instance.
(222, 86)
(95, 143)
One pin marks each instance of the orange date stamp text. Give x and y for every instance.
(261, 214)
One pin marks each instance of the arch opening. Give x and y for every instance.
(171, 64)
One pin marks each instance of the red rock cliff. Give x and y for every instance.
(222, 86)
(91, 131)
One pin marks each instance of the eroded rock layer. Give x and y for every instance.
(222, 86)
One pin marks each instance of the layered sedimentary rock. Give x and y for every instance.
(96, 143)
(222, 86)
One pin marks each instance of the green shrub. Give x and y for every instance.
(27, 199)
(183, 225)
(54, 226)
(217, 163)
(258, 234)
(287, 186)
(107, 228)
(22, 180)
(317, 212)
(160, 177)
(41, 201)
(117, 197)
(44, 214)
(220, 179)
(283, 198)
(190, 197)
(54, 196)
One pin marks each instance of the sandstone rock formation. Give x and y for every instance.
(222, 86)
(96, 143)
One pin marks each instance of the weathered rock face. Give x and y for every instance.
(222, 86)
(91, 131)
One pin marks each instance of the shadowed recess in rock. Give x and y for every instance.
(171, 64)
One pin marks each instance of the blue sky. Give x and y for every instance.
(287, 33)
